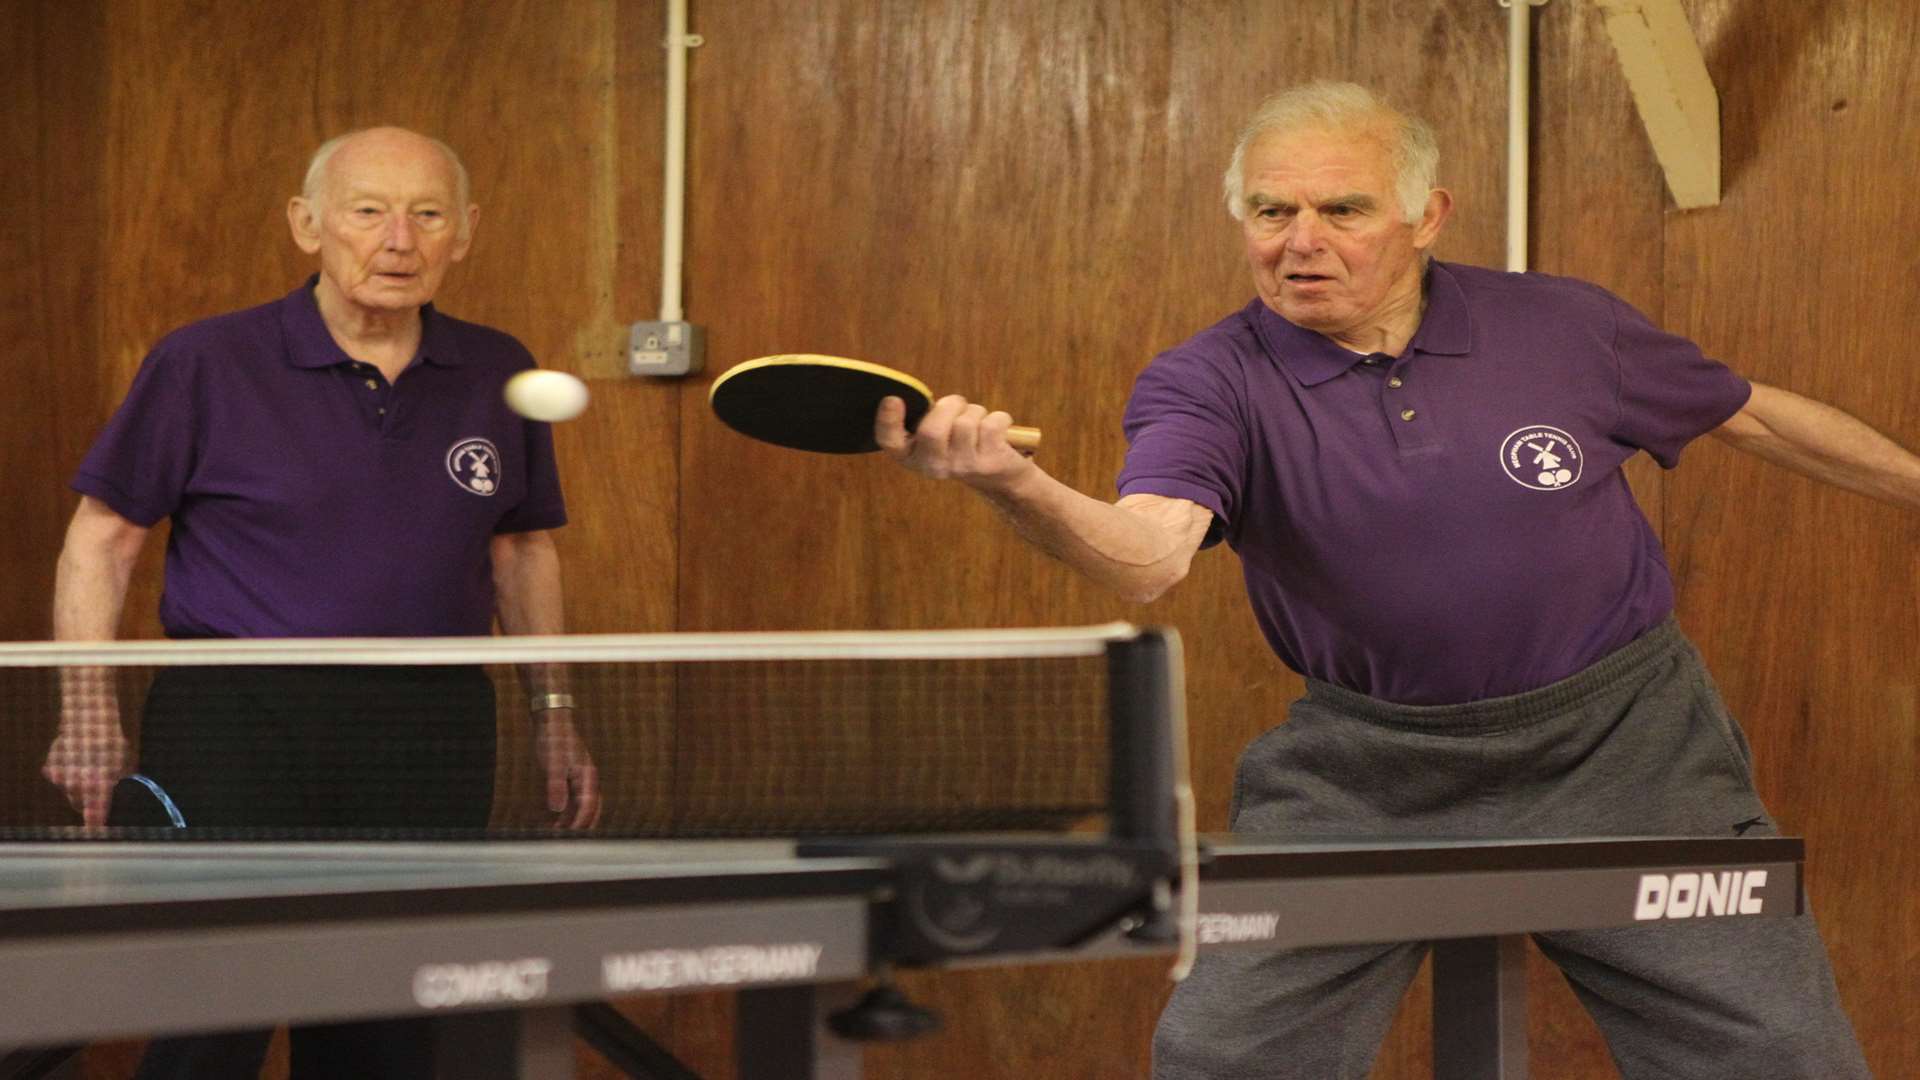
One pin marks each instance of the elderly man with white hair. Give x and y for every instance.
(1419, 465)
(338, 462)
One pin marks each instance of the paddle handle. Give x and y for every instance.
(1024, 439)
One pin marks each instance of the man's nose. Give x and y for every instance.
(400, 233)
(1303, 236)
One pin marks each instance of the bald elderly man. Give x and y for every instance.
(338, 462)
(1419, 465)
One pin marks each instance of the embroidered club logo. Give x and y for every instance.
(475, 465)
(1542, 458)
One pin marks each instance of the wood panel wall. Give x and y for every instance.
(52, 205)
(1019, 202)
(1804, 599)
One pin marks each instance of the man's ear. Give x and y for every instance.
(1439, 209)
(303, 218)
(465, 243)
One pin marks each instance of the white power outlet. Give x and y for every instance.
(663, 348)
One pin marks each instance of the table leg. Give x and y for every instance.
(517, 1044)
(1480, 1009)
(780, 1033)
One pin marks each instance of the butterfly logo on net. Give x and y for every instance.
(1542, 458)
(474, 464)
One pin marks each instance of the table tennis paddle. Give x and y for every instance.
(804, 401)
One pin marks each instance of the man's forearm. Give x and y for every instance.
(528, 596)
(529, 599)
(1825, 443)
(89, 593)
(1139, 547)
(89, 751)
(91, 577)
(88, 598)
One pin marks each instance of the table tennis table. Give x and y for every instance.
(502, 943)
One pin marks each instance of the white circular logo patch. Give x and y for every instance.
(1542, 458)
(475, 465)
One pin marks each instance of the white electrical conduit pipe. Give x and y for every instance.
(1519, 128)
(673, 199)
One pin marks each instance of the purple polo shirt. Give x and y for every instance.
(310, 497)
(1451, 524)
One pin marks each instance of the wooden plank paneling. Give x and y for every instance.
(52, 217)
(1806, 600)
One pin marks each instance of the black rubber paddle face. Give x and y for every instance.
(822, 408)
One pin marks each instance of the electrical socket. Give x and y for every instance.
(663, 348)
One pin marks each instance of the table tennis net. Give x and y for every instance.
(714, 735)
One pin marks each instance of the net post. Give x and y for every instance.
(1143, 675)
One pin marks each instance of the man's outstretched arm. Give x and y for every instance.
(1825, 443)
(1139, 547)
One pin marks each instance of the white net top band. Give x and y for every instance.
(1047, 642)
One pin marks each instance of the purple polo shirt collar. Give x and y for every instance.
(310, 344)
(1311, 358)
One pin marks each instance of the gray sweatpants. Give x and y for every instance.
(1637, 745)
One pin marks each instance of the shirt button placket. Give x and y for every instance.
(1406, 433)
(1395, 382)
(372, 383)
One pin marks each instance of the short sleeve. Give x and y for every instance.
(1669, 392)
(1185, 437)
(143, 459)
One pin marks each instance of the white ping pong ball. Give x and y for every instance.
(550, 396)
